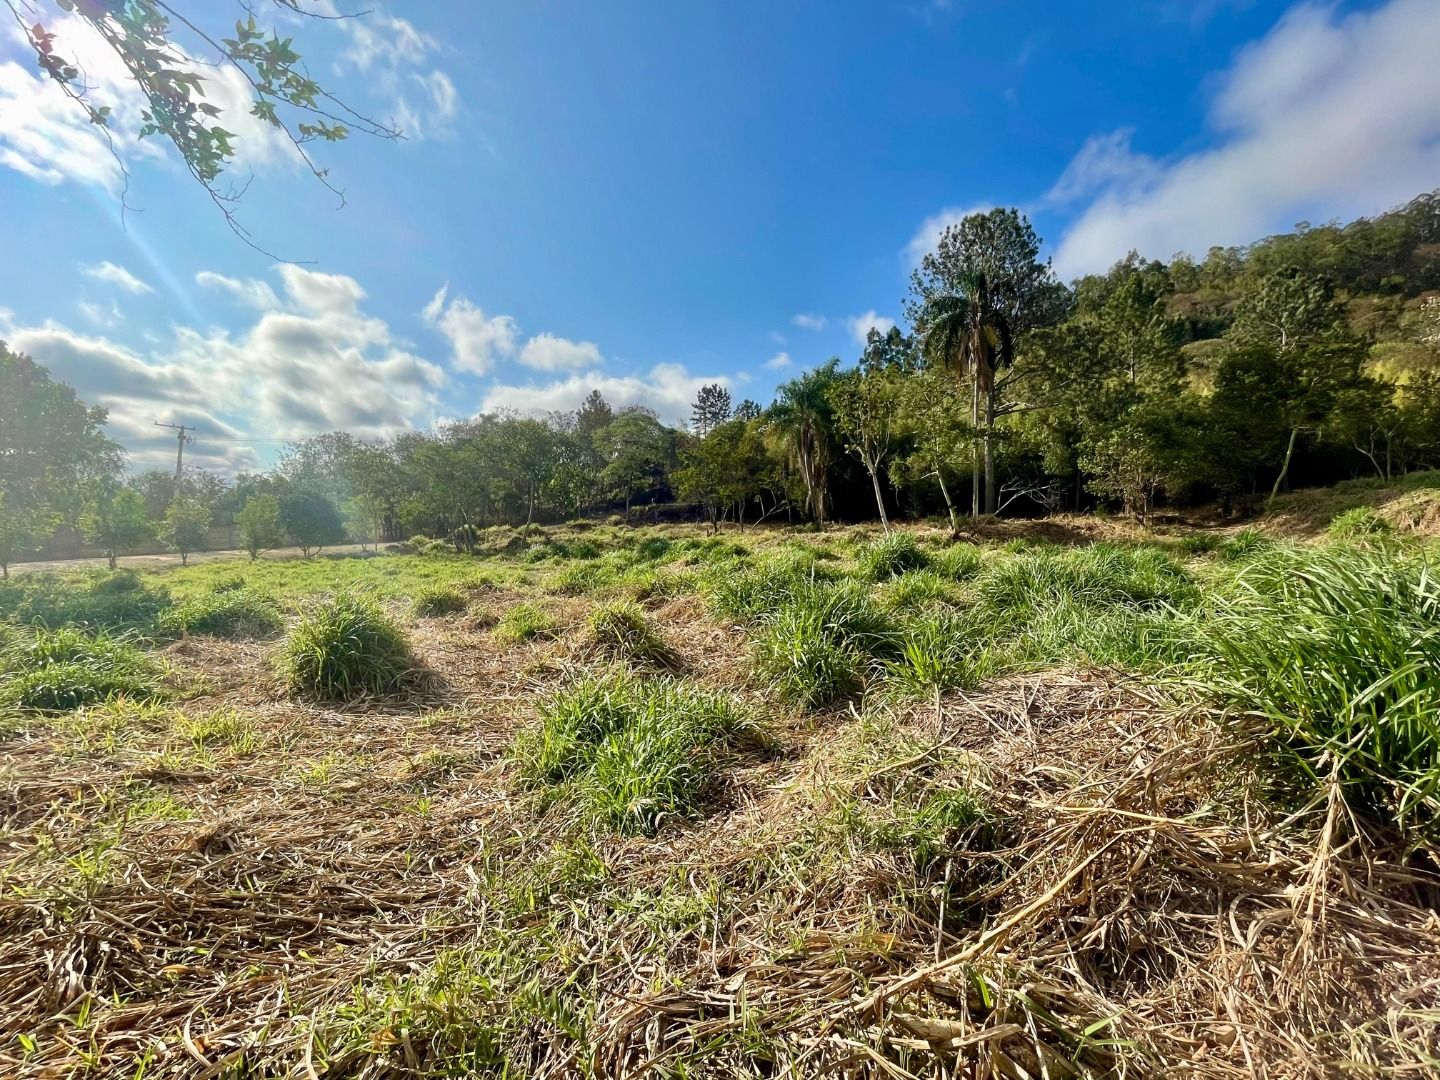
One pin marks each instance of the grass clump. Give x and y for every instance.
(1359, 523)
(621, 631)
(1245, 544)
(815, 648)
(344, 649)
(437, 600)
(1340, 651)
(632, 753)
(60, 670)
(917, 588)
(106, 601)
(226, 613)
(890, 556)
(525, 622)
(940, 654)
(958, 562)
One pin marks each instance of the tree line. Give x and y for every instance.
(1310, 356)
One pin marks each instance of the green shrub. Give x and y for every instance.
(1340, 651)
(58, 670)
(436, 600)
(234, 613)
(632, 753)
(346, 648)
(525, 622)
(1359, 523)
(891, 555)
(232, 583)
(621, 631)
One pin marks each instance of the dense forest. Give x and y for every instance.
(1305, 358)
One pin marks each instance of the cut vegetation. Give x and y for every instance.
(1003, 810)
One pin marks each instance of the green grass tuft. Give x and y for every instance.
(436, 600)
(344, 649)
(525, 622)
(632, 753)
(621, 631)
(59, 670)
(1357, 524)
(229, 613)
(1339, 650)
(890, 556)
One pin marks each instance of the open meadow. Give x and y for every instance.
(621, 801)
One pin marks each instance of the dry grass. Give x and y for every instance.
(249, 885)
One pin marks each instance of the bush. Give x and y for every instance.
(633, 753)
(58, 670)
(232, 613)
(436, 600)
(621, 631)
(525, 622)
(891, 555)
(1339, 650)
(420, 544)
(1359, 523)
(346, 648)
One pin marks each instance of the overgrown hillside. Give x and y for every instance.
(616, 802)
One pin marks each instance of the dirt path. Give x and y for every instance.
(164, 559)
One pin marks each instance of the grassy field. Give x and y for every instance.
(629, 802)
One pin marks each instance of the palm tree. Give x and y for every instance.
(966, 333)
(801, 417)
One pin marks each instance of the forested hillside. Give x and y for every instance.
(1303, 359)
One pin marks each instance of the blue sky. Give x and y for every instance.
(647, 196)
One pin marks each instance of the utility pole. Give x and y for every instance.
(180, 440)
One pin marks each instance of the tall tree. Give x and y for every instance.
(803, 419)
(866, 407)
(986, 286)
(712, 408)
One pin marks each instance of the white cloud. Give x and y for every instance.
(101, 316)
(927, 236)
(545, 352)
(861, 325)
(1328, 115)
(312, 362)
(778, 361)
(777, 337)
(394, 56)
(669, 389)
(807, 321)
(250, 292)
(476, 339)
(118, 276)
(49, 138)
